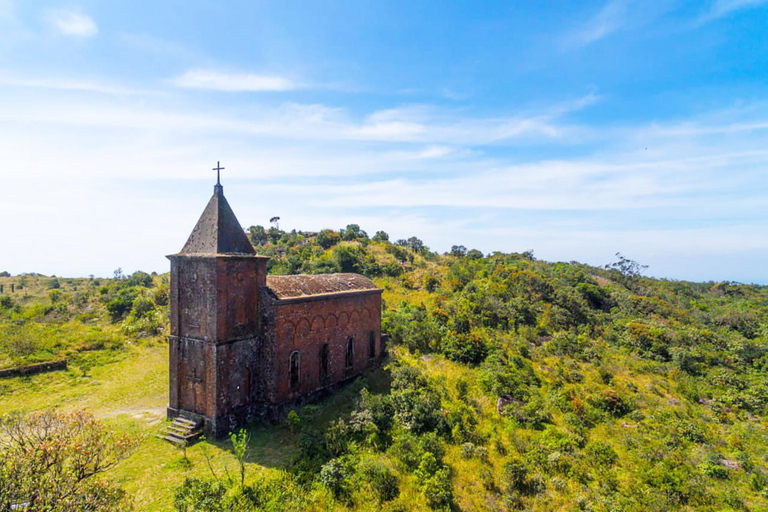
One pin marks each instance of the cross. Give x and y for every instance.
(218, 170)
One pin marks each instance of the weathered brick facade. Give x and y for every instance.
(246, 346)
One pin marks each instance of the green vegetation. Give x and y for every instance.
(512, 384)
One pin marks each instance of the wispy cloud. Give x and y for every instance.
(70, 23)
(609, 20)
(234, 82)
(720, 8)
(66, 84)
(412, 169)
(315, 122)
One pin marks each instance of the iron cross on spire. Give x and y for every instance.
(218, 170)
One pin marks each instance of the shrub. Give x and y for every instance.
(714, 470)
(6, 302)
(382, 481)
(51, 458)
(335, 476)
(611, 402)
(195, 495)
(468, 450)
(327, 238)
(293, 421)
(601, 453)
(469, 348)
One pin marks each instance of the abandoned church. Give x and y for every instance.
(245, 345)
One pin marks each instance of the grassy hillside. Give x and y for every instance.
(511, 384)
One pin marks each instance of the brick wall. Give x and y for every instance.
(305, 326)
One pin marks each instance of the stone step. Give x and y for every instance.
(170, 439)
(182, 430)
(185, 421)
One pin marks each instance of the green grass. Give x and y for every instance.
(131, 395)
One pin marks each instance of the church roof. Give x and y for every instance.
(288, 287)
(218, 231)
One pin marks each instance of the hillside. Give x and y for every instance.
(512, 383)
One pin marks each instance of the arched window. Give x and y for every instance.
(294, 369)
(372, 345)
(349, 358)
(324, 362)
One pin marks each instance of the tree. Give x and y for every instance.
(459, 251)
(49, 460)
(352, 232)
(257, 235)
(474, 254)
(276, 222)
(327, 238)
(381, 236)
(626, 267)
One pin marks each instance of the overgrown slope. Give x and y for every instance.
(512, 383)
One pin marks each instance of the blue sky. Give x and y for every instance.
(573, 129)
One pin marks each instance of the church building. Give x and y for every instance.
(245, 345)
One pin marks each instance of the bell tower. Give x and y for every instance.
(214, 304)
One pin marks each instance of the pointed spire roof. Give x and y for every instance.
(218, 231)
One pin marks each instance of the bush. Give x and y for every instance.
(382, 481)
(335, 476)
(51, 458)
(122, 303)
(293, 422)
(714, 470)
(611, 402)
(6, 302)
(600, 452)
(469, 348)
(195, 495)
(327, 238)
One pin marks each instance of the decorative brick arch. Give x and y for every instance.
(331, 320)
(343, 319)
(318, 323)
(303, 328)
(365, 313)
(354, 318)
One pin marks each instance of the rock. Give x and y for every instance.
(502, 402)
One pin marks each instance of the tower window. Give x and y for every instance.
(349, 359)
(324, 362)
(372, 345)
(294, 369)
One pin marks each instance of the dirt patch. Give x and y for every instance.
(151, 416)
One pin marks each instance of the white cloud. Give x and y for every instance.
(66, 84)
(321, 166)
(610, 19)
(233, 82)
(722, 8)
(70, 23)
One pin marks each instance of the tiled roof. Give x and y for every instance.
(286, 287)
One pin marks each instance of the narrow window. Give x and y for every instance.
(324, 362)
(372, 345)
(294, 369)
(349, 359)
